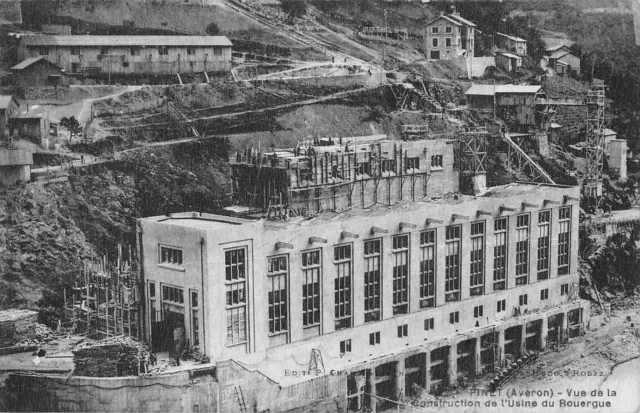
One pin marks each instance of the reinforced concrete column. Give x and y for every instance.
(372, 389)
(500, 352)
(564, 328)
(544, 332)
(523, 339)
(400, 379)
(452, 364)
(477, 352)
(427, 371)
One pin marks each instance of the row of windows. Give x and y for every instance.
(454, 318)
(447, 29)
(447, 42)
(278, 272)
(133, 51)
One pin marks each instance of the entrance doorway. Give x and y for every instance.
(162, 329)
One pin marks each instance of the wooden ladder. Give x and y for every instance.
(240, 397)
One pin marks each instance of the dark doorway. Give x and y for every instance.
(435, 54)
(162, 329)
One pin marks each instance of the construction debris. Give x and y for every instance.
(16, 325)
(112, 357)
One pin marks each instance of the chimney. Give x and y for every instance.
(441, 13)
(453, 11)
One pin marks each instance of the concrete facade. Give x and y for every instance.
(395, 283)
(190, 391)
(618, 157)
(15, 166)
(130, 55)
(449, 36)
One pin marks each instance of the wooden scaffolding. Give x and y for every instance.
(105, 300)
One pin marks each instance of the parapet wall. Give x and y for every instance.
(179, 392)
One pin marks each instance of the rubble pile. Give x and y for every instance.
(16, 325)
(112, 357)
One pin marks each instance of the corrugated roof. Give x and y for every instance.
(487, 90)
(31, 112)
(5, 101)
(26, 63)
(490, 90)
(514, 38)
(125, 41)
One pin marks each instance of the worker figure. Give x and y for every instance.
(153, 359)
(178, 342)
(333, 59)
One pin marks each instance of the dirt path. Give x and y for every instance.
(82, 110)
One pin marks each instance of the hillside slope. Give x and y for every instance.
(47, 230)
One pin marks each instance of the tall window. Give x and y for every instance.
(400, 274)
(500, 254)
(342, 286)
(434, 42)
(544, 220)
(236, 305)
(476, 270)
(452, 263)
(311, 288)
(195, 319)
(564, 239)
(163, 50)
(428, 269)
(522, 249)
(372, 291)
(277, 271)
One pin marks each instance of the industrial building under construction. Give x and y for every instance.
(377, 272)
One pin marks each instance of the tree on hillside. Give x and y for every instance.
(615, 267)
(294, 8)
(72, 125)
(212, 30)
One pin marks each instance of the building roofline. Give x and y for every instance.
(446, 17)
(123, 41)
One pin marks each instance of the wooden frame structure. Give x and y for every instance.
(310, 179)
(106, 301)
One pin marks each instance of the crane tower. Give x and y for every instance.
(592, 184)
